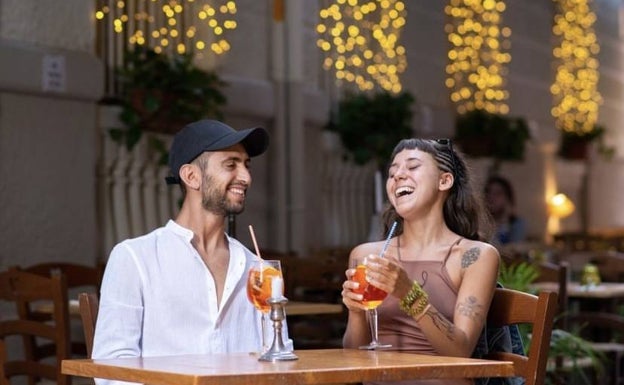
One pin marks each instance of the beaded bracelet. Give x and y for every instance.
(416, 296)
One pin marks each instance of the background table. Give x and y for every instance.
(604, 290)
(312, 367)
(603, 297)
(292, 308)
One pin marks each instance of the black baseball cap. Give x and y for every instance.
(211, 135)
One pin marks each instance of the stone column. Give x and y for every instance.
(289, 226)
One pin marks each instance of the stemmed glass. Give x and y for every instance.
(259, 285)
(371, 298)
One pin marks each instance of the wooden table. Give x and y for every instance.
(603, 297)
(605, 290)
(312, 367)
(293, 308)
(307, 308)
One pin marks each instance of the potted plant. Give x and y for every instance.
(480, 133)
(370, 125)
(574, 145)
(161, 93)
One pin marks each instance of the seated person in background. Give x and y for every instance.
(500, 202)
(440, 277)
(181, 289)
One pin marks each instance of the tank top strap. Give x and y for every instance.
(448, 254)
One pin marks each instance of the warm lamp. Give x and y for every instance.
(560, 206)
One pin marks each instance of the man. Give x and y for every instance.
(181, 289)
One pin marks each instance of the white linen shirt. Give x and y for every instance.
(159, 298)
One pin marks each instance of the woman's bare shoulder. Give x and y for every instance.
(481, 249)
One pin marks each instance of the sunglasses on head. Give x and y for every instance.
(448, 144)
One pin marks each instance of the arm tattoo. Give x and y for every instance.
(442, 323)
(470, 257)
(471, 308)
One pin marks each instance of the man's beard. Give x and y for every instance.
(215, 201)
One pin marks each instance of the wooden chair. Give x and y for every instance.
(610, 265)
(78, 277)
(557, 272)
(515, 307)
(23, 289)
(317, 279)
(89, 306)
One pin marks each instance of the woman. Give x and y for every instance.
(500, 202)
(440, 277)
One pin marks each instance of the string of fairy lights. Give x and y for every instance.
(575, 88)
(360, 40)
(478, 55)
(171, 25)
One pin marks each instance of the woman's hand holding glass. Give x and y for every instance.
(361, 293)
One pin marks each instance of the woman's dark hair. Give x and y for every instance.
(464, 211)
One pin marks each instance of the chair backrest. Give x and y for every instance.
(515, 307)
(592, 324)
(78, 277)
(317, 278)
(610, 266)
(557, 272)
(23, 289)
(89, 305)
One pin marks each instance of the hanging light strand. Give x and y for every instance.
(360, 40)
(478, 55)
(575, 89)
(171, 25)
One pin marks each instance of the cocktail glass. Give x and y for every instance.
(372, 298)
(259, 285)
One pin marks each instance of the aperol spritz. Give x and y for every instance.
(372, 297)
(259, 286)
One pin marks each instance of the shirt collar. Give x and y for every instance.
(179, 230)
(237, 252)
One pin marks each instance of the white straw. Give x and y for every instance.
(390, 234)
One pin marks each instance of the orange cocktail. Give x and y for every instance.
(372, 296)
(259, 285)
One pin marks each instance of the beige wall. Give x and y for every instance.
(47, 158)
(66, 24)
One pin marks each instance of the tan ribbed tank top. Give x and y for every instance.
(397, 328)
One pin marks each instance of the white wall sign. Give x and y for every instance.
(53, 75)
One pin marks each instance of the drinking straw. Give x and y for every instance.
(253, 238)
(390, 234)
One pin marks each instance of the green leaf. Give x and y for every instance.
(163, 93)
(518, 276)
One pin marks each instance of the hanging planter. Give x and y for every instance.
(162, 94)
(575, 146)
(483, 134)
(370, 125)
